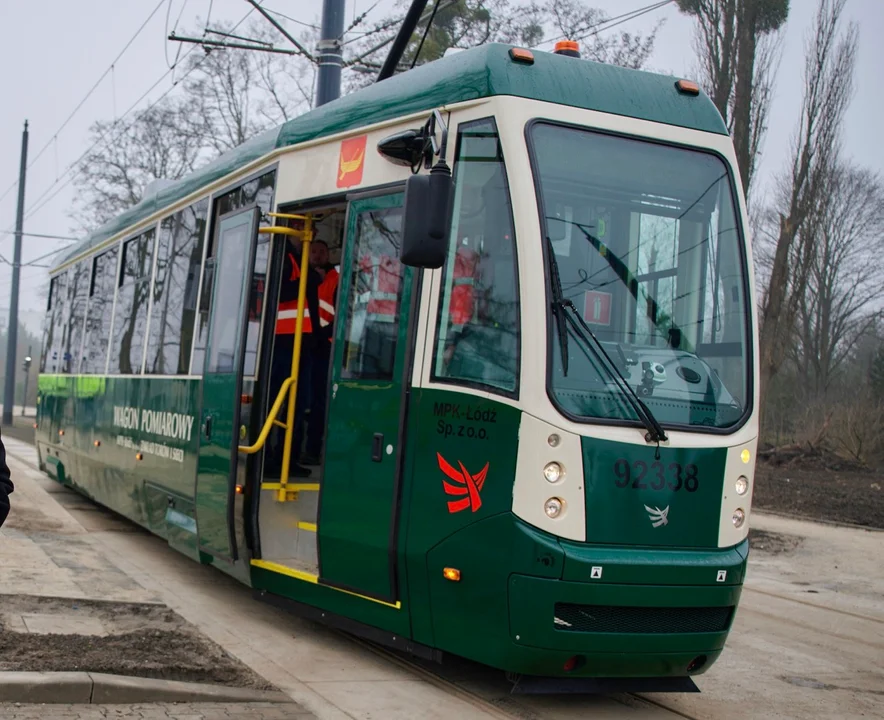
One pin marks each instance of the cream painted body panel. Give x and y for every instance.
(512, 116)
(532, 489)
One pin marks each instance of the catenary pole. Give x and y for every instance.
(329, 52)
(12, 330)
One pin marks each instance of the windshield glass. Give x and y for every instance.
(649, 252)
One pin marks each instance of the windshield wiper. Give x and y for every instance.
(560, 305)
(558, 308)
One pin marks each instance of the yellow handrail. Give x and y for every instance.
(268, 424)
(290, 384)
(296, 355)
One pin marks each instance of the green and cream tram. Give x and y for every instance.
(542, 398)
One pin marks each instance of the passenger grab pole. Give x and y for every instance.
(306, 239)
(290, 385)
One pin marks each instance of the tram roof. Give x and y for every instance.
(484, 71)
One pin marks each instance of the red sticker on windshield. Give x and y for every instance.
(597, 307)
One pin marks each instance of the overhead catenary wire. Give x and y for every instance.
(426, 32)
(116, 130)
(40, 235)
(607, 23)
(80, 104)
(425, 16)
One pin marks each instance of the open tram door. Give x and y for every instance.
(360, 490)
(222, 382)
(337, 527)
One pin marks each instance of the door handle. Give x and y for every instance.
(377, 447)
(208, 427)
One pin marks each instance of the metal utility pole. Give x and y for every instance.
(12, 331)
(329, 52)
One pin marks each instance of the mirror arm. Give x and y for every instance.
(431, 149)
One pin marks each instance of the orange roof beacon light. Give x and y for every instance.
(687, 87)
(571, 48)
(522, 55)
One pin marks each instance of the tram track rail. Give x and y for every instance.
(506, 706)
(816, 606)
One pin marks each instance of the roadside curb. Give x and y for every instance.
(83, 688)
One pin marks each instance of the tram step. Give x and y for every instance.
(306, 548)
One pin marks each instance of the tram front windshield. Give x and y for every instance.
(648, 249)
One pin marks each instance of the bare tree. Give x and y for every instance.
(573, 19)
(162, 142)
(828, 84)
(220, 86)
(840, 304)
(463, 24)
(738, 49)
(285, 84)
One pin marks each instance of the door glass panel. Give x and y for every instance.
(256, 305)
(374, 297)
(230, 285)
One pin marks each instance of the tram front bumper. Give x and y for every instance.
(625, 613)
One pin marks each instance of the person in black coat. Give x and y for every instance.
(6, 486)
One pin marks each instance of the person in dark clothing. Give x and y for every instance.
(328, 290)
(6, 486)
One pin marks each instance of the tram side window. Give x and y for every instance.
(99, 313)
(179, 258)
(258, 191)
(133, 297)
(78, 293)
(375, 296)
(54, 329)
(477, 329)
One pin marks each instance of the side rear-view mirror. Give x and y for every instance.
(427, 222)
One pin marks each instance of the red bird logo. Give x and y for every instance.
(470, 485)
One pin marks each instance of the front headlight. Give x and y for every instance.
(553, 507)
(553, 472)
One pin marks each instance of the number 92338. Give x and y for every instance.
(639, 476)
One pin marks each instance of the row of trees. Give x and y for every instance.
(817, 225)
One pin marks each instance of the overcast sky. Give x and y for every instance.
(52, 52)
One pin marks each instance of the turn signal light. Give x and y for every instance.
(139, 456)
(687, 87)
(452, 574)
(61, 432)
(97, 443)
(239, 489)
(522, 55)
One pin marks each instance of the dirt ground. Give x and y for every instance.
(138, 640)
(821, 488)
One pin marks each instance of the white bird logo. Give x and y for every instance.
(657, 516)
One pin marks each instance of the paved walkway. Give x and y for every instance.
(56, 543)
(162, 711)
(46, 552)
